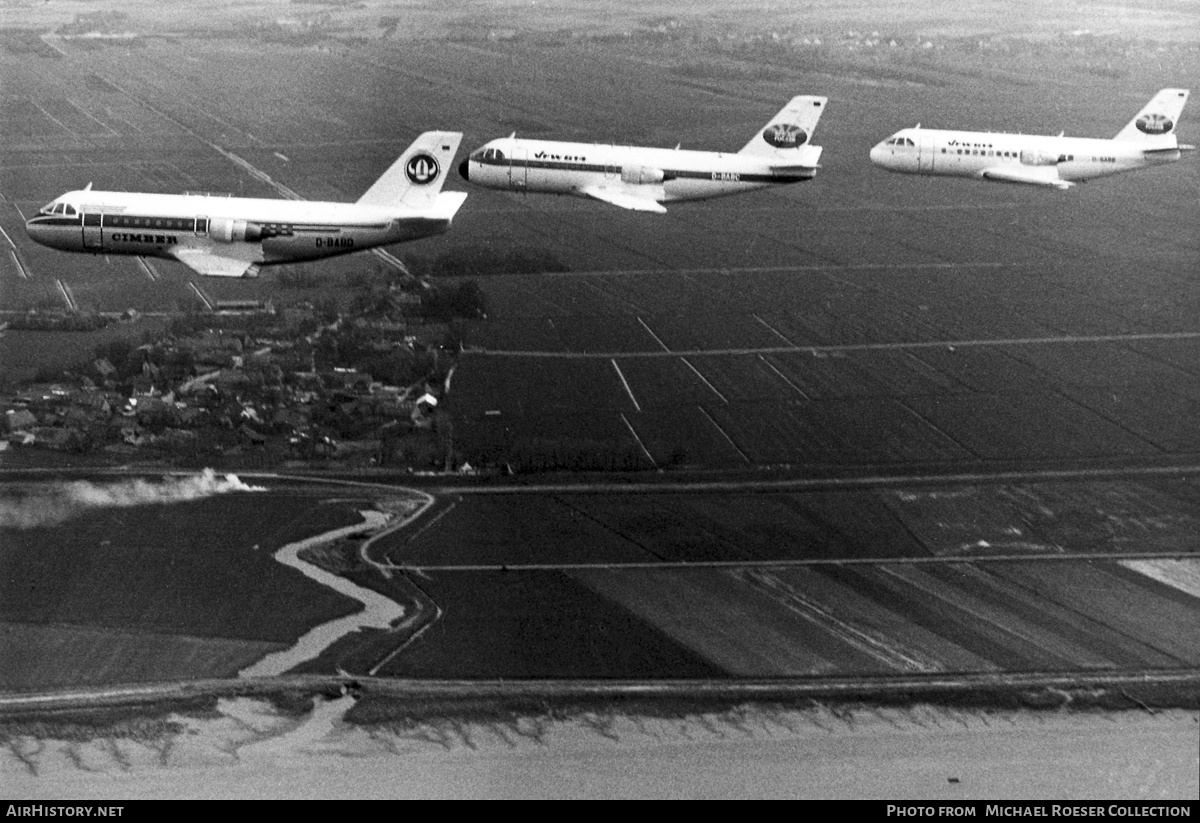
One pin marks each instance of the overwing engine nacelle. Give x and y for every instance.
(1039, 158)
(641, 175)
(234, 231)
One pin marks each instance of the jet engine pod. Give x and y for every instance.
(1038, 158)
(641, 175)
(234, 231)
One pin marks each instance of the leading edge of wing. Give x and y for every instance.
(623, 199)
(1032, 178)
(211, 265)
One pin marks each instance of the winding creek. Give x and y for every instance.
(379, 611)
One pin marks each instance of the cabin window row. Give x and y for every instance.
(169, 223)
(1062, 158)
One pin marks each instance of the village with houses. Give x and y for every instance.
(257, 386)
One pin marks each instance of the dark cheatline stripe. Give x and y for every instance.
(56, 221)
(316, 227)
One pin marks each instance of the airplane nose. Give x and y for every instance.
(37, 232)
(877, 155)
(463, 168)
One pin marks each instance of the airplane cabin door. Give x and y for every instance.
(925, 153)
(93, 235)
(518, 168)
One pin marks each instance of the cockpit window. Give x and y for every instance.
(899, 141)
(488, 154)
(70, 210)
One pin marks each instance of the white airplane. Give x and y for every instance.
(1148, 140)
(224, 236)
(642, 179)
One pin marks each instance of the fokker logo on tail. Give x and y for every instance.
(422, 169)
(785, 136)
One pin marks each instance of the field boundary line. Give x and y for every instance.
(641, 445)
(636, 406)
(819, 267)
(949, 345)
(811, 561)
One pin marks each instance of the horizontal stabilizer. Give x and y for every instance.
(625, 200)
(1034, 176)
(804, 162)
(447, 205)
(211, 265)
(1165, 150)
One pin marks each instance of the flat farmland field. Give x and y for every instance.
(1145, 516)
(201, 568)
(496, 626)
(863, 325)
(831, 620)
(38, 657)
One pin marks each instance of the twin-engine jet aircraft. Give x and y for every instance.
(232, 236)
(642, 179)
(1148, 140)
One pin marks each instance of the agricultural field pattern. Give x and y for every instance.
(867, 425)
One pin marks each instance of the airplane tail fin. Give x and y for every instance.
(416, 179)
(784, 138)
(1156, 122)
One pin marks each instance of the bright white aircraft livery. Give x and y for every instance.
(225, 236)
(642, 179)
(1148, 140)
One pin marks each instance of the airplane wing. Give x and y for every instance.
(211, 265)
(1035, 176)
(622, 198)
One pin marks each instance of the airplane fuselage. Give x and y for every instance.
(553, 167)
(971, 154)
(259, 231)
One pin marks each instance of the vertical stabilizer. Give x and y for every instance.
(415, 180)
(789, 131)
(1156, 122)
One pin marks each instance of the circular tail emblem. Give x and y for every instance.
(785, 136)
(1154, 124)
(421, 169)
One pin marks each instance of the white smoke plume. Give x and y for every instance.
(53, 503)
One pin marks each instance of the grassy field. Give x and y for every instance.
(180, 589)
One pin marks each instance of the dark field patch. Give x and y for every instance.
(39, 657)
(511, 531)
(497, 625)
(202, 568)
